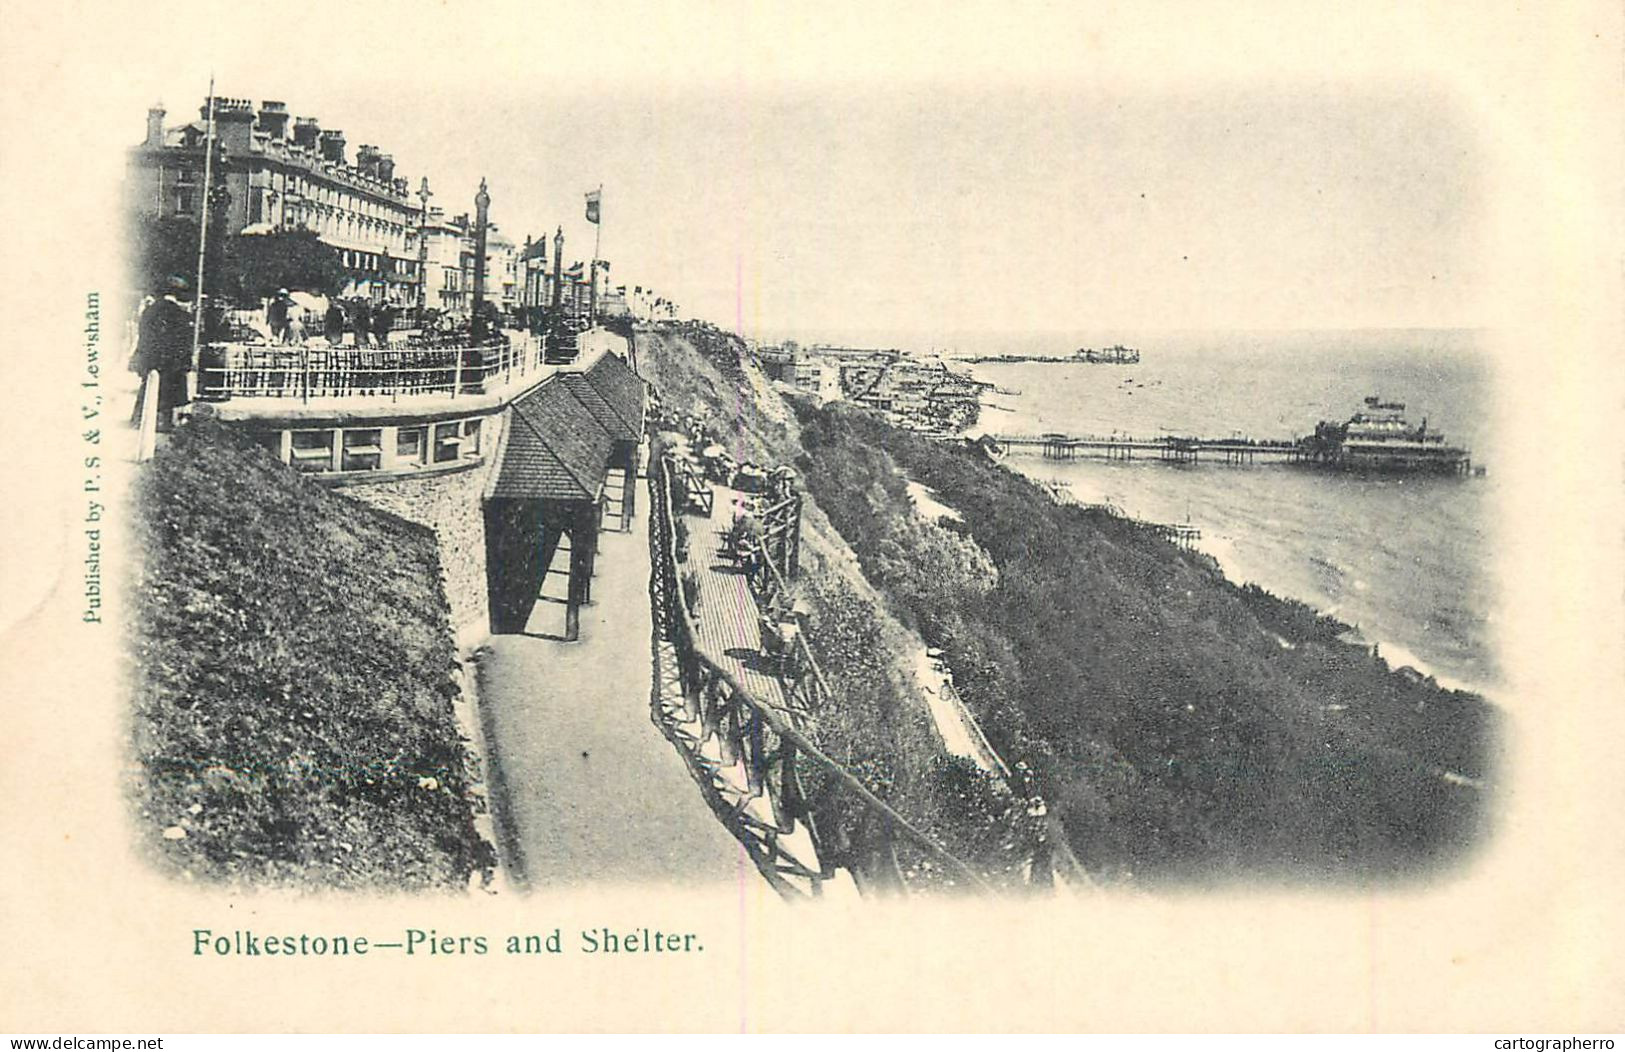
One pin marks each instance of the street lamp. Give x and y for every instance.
(482, 208)
(423, 249)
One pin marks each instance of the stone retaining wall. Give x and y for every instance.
(451, 506)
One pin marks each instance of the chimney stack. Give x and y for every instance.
(155, 125)
(306, 132)
(386, 168)
(233, 122)
(274, 119)
(332, 146)
(366, 160)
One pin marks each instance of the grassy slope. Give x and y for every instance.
(293, 681)
(1174, 733)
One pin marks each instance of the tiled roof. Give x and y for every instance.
(619, 428)
(622, 388)
(555, 448)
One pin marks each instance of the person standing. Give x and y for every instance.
(361, 322)
(164, 344)
(383, 319)
(333, 323)
(276, 316)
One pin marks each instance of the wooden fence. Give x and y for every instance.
(778, 757)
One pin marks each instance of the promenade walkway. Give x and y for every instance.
(727, 627)
(728, 624)
(590, 791)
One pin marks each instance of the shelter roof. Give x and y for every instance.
(622, 388)
(555, 449)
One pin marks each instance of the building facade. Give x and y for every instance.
(283, 173)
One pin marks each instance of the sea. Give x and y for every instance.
(1403, 559)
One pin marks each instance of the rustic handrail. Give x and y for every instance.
(804, 650)
(688, 639)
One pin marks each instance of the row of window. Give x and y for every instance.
(356, 260)
(402, 448)
(343, 200)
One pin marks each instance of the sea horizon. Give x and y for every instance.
(951, 343)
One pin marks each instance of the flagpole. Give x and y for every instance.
(203, 222)
(597, 243)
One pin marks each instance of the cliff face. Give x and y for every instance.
(1180, 728)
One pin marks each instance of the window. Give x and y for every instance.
(313, 450)
(471, 438)
(362, 449)
(447, 442)
(183, 202)
(409, 446)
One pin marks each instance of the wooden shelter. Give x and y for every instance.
(614, 395)
(548, 486)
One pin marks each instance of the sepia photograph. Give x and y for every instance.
(535, 491)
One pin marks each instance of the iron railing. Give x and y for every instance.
(237, 370)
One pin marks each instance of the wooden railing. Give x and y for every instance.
(801, 676)
(235, 370)
(778, 757)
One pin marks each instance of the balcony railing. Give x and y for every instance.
(241, 370)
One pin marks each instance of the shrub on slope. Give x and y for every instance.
(1172, 730)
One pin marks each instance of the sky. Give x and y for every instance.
(934, 198)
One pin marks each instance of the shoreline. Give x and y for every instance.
(1222, 551)
(1396, 655)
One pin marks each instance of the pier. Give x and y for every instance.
(1168, 448)
(1389, 455)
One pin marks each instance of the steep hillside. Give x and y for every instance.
(1181, 728)
(881, 729)
(293, 671)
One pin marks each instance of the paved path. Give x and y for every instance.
(589, 789)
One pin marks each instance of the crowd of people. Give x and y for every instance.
(368, 324)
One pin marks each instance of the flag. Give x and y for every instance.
(594, 200)
(575, 269)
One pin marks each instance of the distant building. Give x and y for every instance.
(447, 283)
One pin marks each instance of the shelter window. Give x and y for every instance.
(409, 442)
(312, 450)
(447, 442)
(471, 438)
(362, 449)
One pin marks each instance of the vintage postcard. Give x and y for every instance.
(723, 517)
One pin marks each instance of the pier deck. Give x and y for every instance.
(1383, 457)
(1179, 450)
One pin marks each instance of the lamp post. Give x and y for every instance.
(423, 249)
(482, 207)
